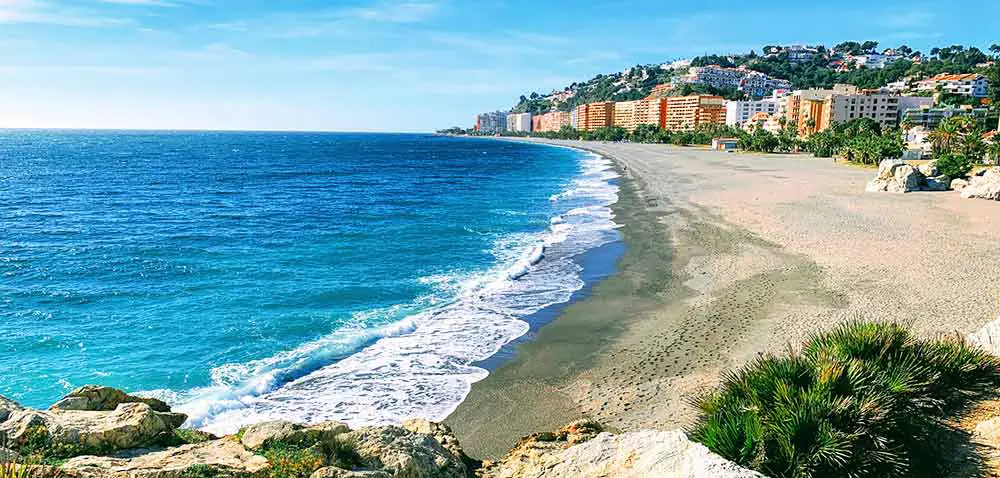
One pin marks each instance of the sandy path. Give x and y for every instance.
(732, 255)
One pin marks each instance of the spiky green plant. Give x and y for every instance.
(859, 401)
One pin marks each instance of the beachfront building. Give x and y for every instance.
(930, 118)
(593, 116)
(907, 103)
(970, 84)
(761, 120)
(687, 112)
(753, 83)
(917, 141)
(519, 122)
(818, 109)
(494, 122)
(631, 114)
(552, 121)
(740, 112)
(574, 118)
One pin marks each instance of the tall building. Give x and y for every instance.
(971, 84)
(494, 122)
(593, 116)
(930, 118)
(631, 114)
(817, 110)
(740, 112)
(687, 112)
(552, 121)
(519, 122)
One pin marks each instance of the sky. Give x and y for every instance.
(373, 65)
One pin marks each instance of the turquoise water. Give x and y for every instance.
(307, 276)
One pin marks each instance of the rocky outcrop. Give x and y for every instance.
(895, 176)
(988, 337)
(334, 472)
(214, 458)
(577, 452)
(7, 406)
(261, 435)
(929, 169)
(937, 183)
(404, 453)
(96, 398)
(959, 184)
(986, 185)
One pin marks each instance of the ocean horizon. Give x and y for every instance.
(308, 276)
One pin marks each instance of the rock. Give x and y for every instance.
(442, 434)
(988, 337)
(260, 435)
(404, 453)
(986, 185)
(131, 425)
(7, 406)
(223, 457)
(103, 399)
(895, 176)
(929, 169)
(938, 183)
(959, 184)
(630, 455)
(334, 472)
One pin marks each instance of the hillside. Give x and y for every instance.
(810, 67)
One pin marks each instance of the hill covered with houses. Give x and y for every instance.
(754, 75)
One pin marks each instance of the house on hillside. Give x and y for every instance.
(967, 84)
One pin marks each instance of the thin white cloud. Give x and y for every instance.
(47, 13)
(110, 70)
(149, 3)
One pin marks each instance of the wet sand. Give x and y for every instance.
(732, 255)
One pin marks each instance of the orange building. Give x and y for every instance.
(593, 116)
(686, 112)
(631, 114)
(552, 121)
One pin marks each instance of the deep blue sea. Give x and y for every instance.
(306, 276)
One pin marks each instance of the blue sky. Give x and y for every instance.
(370, 65)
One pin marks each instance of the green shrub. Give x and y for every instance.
(862, 400)
(289, 461)
(954, 165)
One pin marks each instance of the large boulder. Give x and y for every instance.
(220, 458)
(334, 472)
(937, 183)
(895, 176)
(984, 186)
(7, 406)
(404, 453)
(988, 337)
(929, 169)
(131, 425)
(96, 398)
(959, 184)
(630, 455)
(262, 435)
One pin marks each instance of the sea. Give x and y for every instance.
(248, 276)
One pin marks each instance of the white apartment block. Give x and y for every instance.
(519, 122)
(881, 107)
(751, 82)
(970, 84)
(740, 112)
(874, 60)
(491, 123)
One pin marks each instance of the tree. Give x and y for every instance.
(869, 46)
(942, 137)
(993, 151)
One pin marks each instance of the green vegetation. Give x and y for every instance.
(865, 399)
(290, 461)
(958, 143)
(859, 140)
(647, 133)
(954, 165)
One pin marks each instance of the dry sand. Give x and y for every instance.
(732, 255)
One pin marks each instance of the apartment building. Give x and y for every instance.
(818, 109)
(593, 116)
(930, 118)
(519, 122)
(493, 122)
(687, 112)
(740, 112)
(971, 84)
(552, 121)
(754, 83)
(631, 114)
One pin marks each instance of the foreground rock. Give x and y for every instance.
(7, 406)
(130, 425)
(95, 398)
(895, 176)
(984, 186)
(405, 453)
(578, 451)
(214, 458)
(261, 435)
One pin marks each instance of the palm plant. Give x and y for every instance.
(993, 151)
(861, 400)
(942, 137)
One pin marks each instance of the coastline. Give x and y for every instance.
(729, 256)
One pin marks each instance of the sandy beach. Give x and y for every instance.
(729, 256)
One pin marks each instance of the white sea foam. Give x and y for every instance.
(423, 365)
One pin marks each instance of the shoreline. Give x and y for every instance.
(730, 256)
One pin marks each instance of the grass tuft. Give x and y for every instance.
(865, 399)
